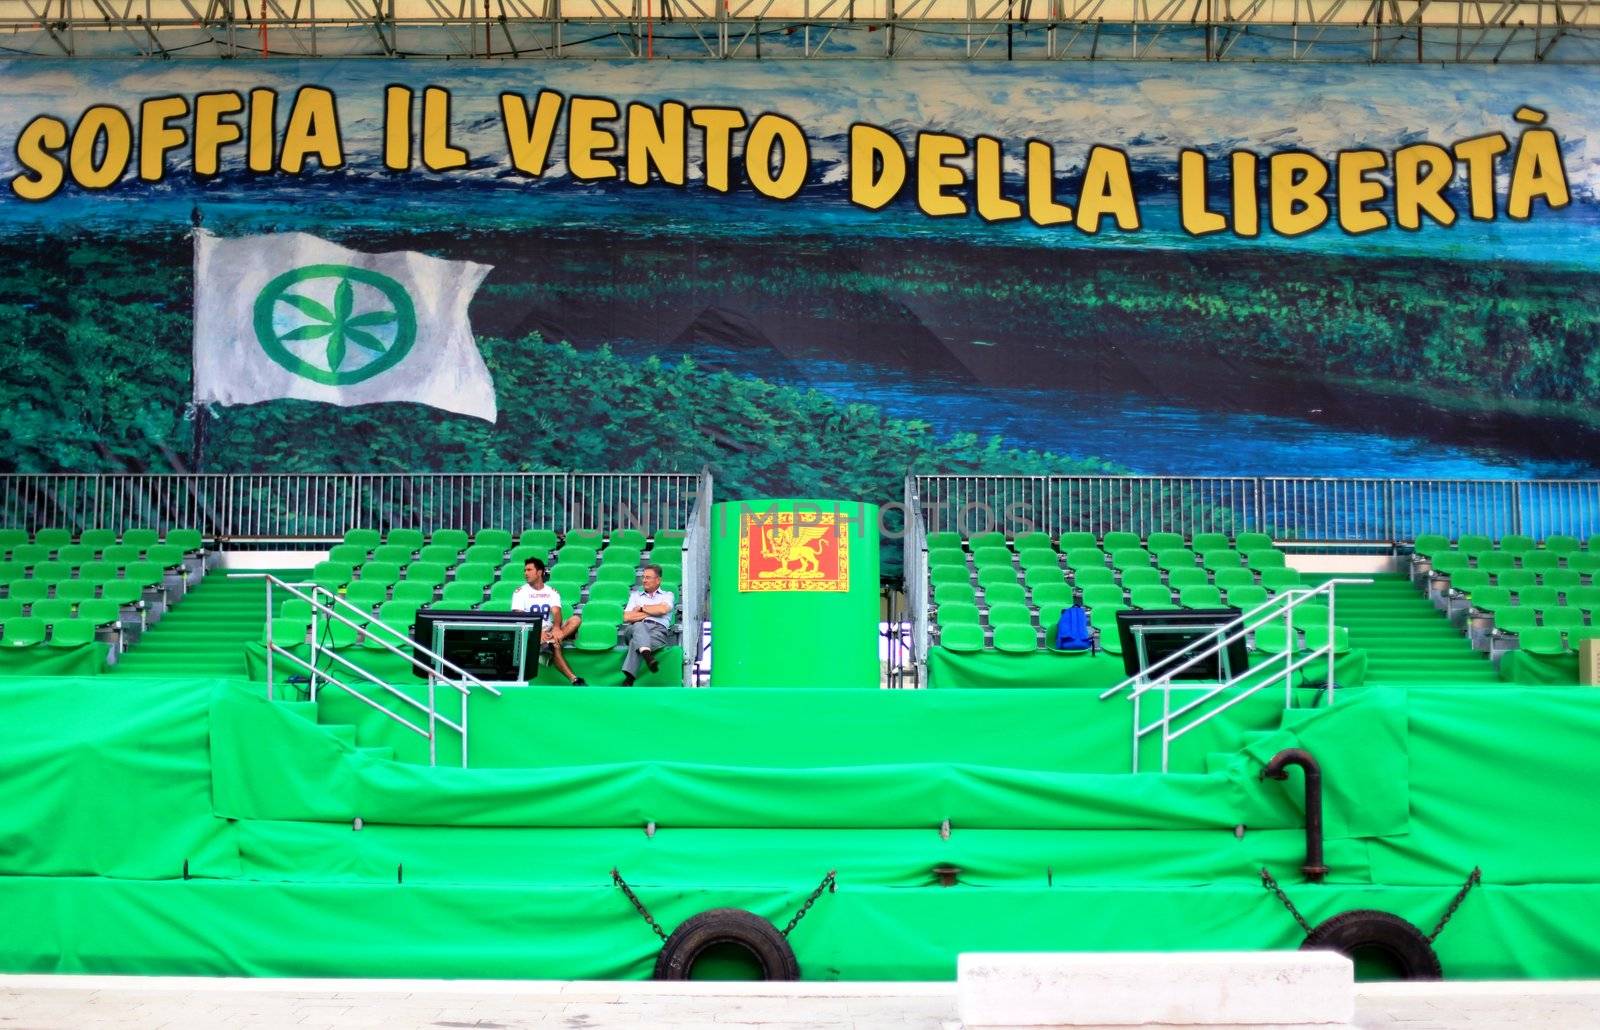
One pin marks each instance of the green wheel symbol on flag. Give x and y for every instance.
(385, 327)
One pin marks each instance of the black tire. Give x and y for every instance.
(1370, 931)
(747, 930)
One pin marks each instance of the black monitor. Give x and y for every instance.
(1176, 629)
(483, 644)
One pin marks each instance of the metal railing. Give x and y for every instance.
(915, 567)
(696, 580)
(242, 508)
(1278, 669)
(1289, 508)
(317, 674)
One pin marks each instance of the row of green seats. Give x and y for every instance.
(128, 587)
(1453, 563)
(19, 631)
(460, 539)
(1122, 559)
(1493, 599)
(56, 569)
(1114, 540)
(1432, 545)
(96, 611)
(1271, 579)
(53, 540)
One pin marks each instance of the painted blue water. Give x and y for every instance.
(1147, 437)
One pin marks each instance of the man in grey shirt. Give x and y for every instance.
(649, 612)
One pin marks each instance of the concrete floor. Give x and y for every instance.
(170, 1003)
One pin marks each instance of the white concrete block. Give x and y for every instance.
(1133, 988)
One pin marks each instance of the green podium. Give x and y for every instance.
(794, 594)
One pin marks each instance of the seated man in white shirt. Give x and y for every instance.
(538, 598)
(649, 613)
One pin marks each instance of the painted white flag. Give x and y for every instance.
(291, 315)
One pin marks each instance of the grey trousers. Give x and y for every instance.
(652, 635)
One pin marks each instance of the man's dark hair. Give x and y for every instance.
(653, 568)
(537, 563)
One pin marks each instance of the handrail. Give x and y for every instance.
(1216, 641)
(316, 672)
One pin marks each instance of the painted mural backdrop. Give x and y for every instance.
(816, 277)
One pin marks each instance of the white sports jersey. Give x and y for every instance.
(541, 602)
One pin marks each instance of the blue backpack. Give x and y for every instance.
(1073, 632)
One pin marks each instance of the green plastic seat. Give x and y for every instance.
(32, 554)
(1561, 579)
(954, 593)
(331, 574)
(956, 612)
(1430, 544)
(1473, 544)
(1009, 614)
(1005, 593)
(1272, 638)
(462, 595)
(617, 574)
(943, 574)
(1541, 560)
(575, 554)
(53, 538)
(71, 632)
(98, 570)
(11, 571)
(1059, 595)
(1563, 618)
(189, 541)
(1121, 540)
(500, 539)
(23, 631)
(617, 554)
(397, 614)
(571, 595)
(944, 538)
(1468, 580)
(1141, 577)
(1094, 576)
(336, 634)
(633, 538)
(122, 592)
(1450, 562)
(295, 608)
(1562, 543)
(397, 555)
(602, 611)
(1151, 597)
(51, 609)
(431, 573)
(1496, 561)
(1247, 542)
(991, 557)
(1156, 543)
(482, 554)
(1176, 558)
(1177, 579)
(168, 556)
(364, 538)
(387, 573)
(1039, 558)
(349, 554)
(52, 571)
(1200, 543)
(595, 635)
(1317, 637)
(1270, 558)
(569, 572)
(961, 637)
(410, 539)
(1537, 597)
(1246, 597)
(1032, 540)
(1279, 580)
(947, 556)
(286, 632)
(412, 592)
(1587, 598)
(1221, 558)
(1015, 639)
(1125, 558)
(456, 539)
(28, 590)
(1516, 579)
(1515, 619)
(1049, 620)
(76, 591)
(366, 594)
(545, 538)
(993, 576)
(500, 595)
(141, 537)
(147, 574)
(11, 537)
(99, 612)
(435, 554)
(1086, 558)
(519, 555)
(1200, 597)
(11, 608)
(77, 554)
(1095, 596)
(1490, 599)
(1041, 576)
(1541, 640)
(1228, 579)
(988, 538)
(609, 593)
(1516, 543)
(1586, 562)
(1077, 539)
(1104, 619)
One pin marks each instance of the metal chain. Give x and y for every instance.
(826, 884)
(1473, 879)
(1272, 885)
(617, 879)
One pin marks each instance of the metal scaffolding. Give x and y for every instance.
(1334, 31)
